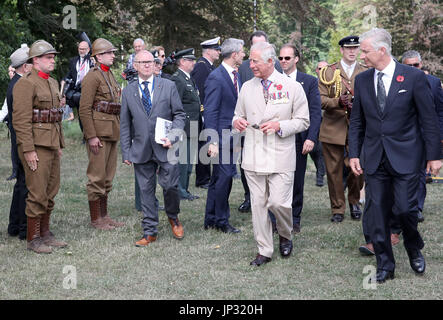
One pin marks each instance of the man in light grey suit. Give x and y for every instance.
(271, 109)
(144, 101)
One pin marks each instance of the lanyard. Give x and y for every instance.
(143, 92)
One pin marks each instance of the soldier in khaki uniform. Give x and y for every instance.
(37, 116)
(100, 115)
(336, 87)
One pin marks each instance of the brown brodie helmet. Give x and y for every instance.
(40, 48)
(102, 46)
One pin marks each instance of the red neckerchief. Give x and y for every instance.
(104, 68)
(43, 75)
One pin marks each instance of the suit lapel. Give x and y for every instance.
(395, 86)
(135, 93)
(227, 78)
(158, 91)
(372, 94)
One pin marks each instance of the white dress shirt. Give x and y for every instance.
(349, 69)
(229, 69)
(388, 74)
(293, 75)
(150, 87)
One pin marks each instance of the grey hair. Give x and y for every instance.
(410, 54)
(267, 51)
(380, 38)
(231, 45)
(138, 39)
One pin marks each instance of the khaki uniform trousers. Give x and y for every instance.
(270, 192)
(333, 155)
(43, 184)
(101, 170)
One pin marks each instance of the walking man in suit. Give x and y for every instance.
(221, 89)
(271, 108)
(143, 101)
(202, 69)
(306, 140)
(336, 92)
(393, 131)
(17, 216)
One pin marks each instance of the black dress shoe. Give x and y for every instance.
(417, 261)
(420, 216)
(355, 211)
(12, 177)
(188, 197)
(383, 275)
(319, 182)
(194, 196)
(296, 228)
(227, 229)
(204, 186)
(209, 226)
(337, 218)
(259, 260)
(285, 247)
(245, 206)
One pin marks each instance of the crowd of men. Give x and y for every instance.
(374, 124)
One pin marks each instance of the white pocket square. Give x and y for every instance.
(402, 90)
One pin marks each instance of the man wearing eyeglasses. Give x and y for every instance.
(412, 58)
(100, 115)
(336, 87)
(304, 141)
(143, 102)
(188, 93)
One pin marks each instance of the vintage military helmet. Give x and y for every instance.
(101, 46)
(40, 48)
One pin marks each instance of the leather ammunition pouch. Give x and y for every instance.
(107, 107)
(47, 115)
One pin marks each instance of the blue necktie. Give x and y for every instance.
(381, 92)
(146, 97)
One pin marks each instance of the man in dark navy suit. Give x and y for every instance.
(221, 93)
(413, 59)
(394, 130)
(204, 66)
(306, 140)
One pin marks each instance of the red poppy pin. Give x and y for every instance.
(400, 78)
(279, 86)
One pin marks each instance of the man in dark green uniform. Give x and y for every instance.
(190, 99)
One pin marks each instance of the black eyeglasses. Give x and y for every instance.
(286, 58)
(416, 65)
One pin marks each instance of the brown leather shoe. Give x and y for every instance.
(96, 220)
(395, 239)
(34, 241)
(177, 228)
(143, 242)
(47, 236)
(104, 213)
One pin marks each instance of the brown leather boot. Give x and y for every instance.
(104, 213)
(96, 220)
(34, 241)
(47, 236)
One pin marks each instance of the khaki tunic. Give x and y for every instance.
(33, 92)
(99, 85)
(334, 135)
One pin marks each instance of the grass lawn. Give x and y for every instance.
(325, 263)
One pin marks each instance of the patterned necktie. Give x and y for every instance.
(235, 73)
(266, 84)
(146, 97)
(381, 92)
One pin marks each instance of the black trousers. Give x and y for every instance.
(391, 196)
(242, 173)
(202, 171)
(17, 216)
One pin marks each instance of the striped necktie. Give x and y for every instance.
(146, 97)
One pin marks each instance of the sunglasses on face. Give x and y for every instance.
(416, 65)
(286, 58)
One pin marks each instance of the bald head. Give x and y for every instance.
(83, 49)
(144, 64)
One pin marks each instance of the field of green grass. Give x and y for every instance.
(206, 264)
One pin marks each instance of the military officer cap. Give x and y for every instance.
(101, 45)
(19, 56)
(40, 48)
(186, 53)
(211, 44)
(350, 41)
